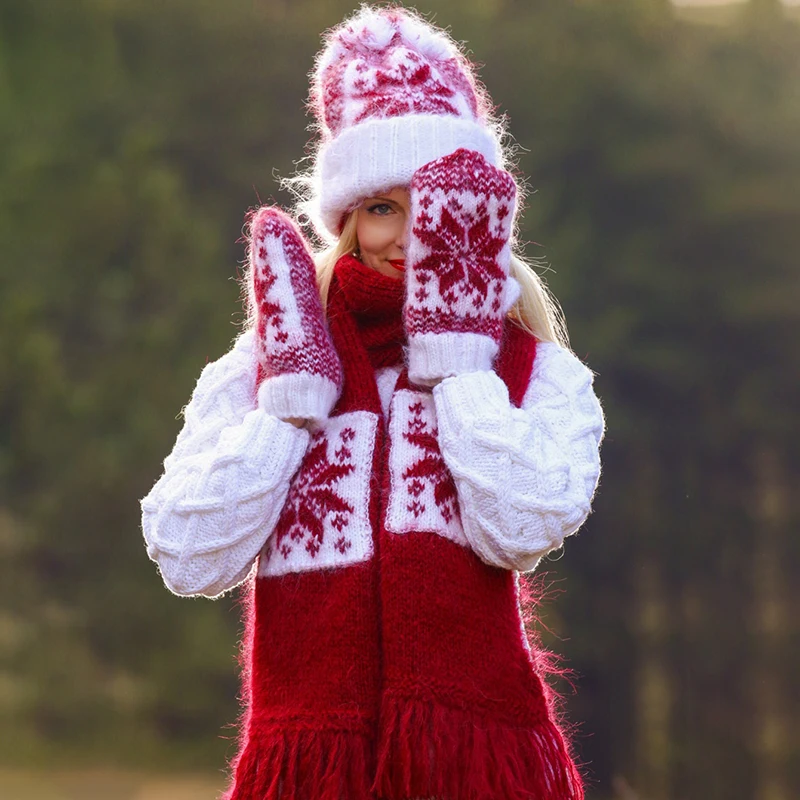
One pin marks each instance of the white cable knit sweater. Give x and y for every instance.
(525, 476)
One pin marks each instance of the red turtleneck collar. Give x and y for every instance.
(376, 301)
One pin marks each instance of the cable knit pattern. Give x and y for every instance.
(459, 255)
(526, 476)
(224, 482)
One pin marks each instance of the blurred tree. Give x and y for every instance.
(113, 301)
(772, 723)
(768, 11)
(665, 161)
(666, 164)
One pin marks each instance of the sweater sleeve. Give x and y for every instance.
(525, 476)
(224, 483)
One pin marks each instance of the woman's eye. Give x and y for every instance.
(381, 209)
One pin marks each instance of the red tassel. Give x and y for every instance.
(430, 750)
(280, 763)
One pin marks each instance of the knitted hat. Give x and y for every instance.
(390, 93)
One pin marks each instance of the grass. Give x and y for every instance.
(106, 784)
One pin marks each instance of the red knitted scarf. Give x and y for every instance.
(382, 657)
(376, 302)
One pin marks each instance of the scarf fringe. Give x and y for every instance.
(302, 764)
(432, 751)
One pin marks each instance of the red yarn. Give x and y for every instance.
(408, 675)
(376, 302)
(394, 80)
(309, 729)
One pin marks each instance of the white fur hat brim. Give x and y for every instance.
(381, 154)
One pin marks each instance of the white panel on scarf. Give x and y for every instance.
(422, 495)
(325, 521)
(386, 380)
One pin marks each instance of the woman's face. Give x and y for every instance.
(381, 231)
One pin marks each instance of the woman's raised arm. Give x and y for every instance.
(224, 483)
(525, 476)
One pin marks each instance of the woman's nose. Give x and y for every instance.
(402, 235)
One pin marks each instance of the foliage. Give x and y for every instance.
(665, 159)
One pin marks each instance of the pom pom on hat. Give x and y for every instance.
(390, 93)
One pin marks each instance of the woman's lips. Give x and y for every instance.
(398, 263)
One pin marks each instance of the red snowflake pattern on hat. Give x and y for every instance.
(388, 65)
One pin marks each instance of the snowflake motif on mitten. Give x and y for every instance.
(301, 370)
(462, 211)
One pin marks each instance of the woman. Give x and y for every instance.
(395, 436)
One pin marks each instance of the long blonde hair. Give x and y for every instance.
(537, 310)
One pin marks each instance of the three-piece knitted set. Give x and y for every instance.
(385, 656)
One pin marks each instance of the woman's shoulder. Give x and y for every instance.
(546, 355)
(558, 362)
(560, 381)
(233, 374)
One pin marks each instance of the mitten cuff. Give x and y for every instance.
(298, 395)
(433, 356)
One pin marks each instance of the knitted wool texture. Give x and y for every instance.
(384, 654)
(525, 477)
(295, 352)
(385, 658)
(390, 93)
(458, 259)
(376, 302)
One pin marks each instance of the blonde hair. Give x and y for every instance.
(537, 310)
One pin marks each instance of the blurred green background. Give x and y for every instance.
(662, 147)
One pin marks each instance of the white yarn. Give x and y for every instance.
(224, 484)
(379, 154)
(372, 30)
(525, 477)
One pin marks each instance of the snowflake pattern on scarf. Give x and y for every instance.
(325, 519)
(423, 495)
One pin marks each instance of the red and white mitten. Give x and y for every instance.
(458, 288)
(303, 374)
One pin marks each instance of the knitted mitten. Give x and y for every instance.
(302, 372)
(457, 265)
